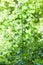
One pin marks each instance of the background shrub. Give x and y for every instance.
(21, 32)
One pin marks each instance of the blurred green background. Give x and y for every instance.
(21, 32)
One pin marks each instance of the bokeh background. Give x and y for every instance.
(21, 32)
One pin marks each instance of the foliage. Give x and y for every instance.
(21, 32)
